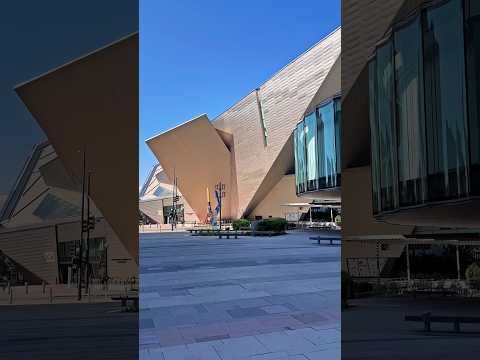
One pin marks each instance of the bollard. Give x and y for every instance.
(44, 284)
(11, 296)
(26, 287)
(51, 295)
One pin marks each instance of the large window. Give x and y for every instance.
(386, 127)
(473, 71)
(445, 100)
(375, 162)
(311, 153)
(326, 144)
(317, 148)
(418, 108)
(410, 114)
(300, 168)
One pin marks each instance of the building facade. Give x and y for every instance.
(40, 227)
(156, 200)
(87, 108)
(409, 134)
(250, 147)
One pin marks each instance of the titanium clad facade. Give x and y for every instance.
(257, 133)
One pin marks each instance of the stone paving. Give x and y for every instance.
(252, 298)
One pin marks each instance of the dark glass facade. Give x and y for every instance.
(424, 108)
(317, 148)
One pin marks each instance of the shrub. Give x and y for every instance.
(473, 275)
(240, 224)
(272, 224)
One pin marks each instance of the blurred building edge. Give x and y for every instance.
(410, 146)
(249, 148)
(91, 105)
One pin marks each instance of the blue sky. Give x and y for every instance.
(202, 56)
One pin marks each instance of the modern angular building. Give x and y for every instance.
(250, 148)
(40, 227)
(410, 137)
(156, 200)
(90, 106)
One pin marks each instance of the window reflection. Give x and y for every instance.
(410, 114)
(473, 78)
(311, 147)
(419, 115)
(326, 144)
(386, 128)
(317, 148)
(444, 95)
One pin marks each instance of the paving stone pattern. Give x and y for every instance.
(204, 298)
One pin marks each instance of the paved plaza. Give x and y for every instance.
(255, 298)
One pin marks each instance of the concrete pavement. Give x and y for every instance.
(252, 298)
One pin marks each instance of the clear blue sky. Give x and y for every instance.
(203, 56)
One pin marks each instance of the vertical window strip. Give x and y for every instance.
(262, 118)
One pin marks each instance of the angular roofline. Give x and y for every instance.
(149, 178)
(177, 126)
(75, 60)
(21, 181)
(330, 34)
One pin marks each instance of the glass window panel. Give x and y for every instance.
(326, 146)
(410, 116)
(445, 101)
(311, 148)
(338, 138)
(300, 157)
(473, 68)
(295, 153)
(375, 165)
(386, 128)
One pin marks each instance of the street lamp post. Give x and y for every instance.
(175, 199)
(220, 188)
(80, 253)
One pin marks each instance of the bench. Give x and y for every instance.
(227, 234)
(330, 240)
(443, 292)
(125, 300)
(428, 319)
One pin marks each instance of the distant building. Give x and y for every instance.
(156, 201)
(40, 226)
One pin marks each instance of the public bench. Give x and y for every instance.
(125, 300)
(329, 240)
(440, 291)
(428, 319)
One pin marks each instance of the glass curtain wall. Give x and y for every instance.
(410, 114)
(418, 112)
(473, 78)
(386, 127)
(311, 153)
(338, 137)
(445, 99)
(317, 149)
(373, 116)
(300, 170)
(326, 143)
